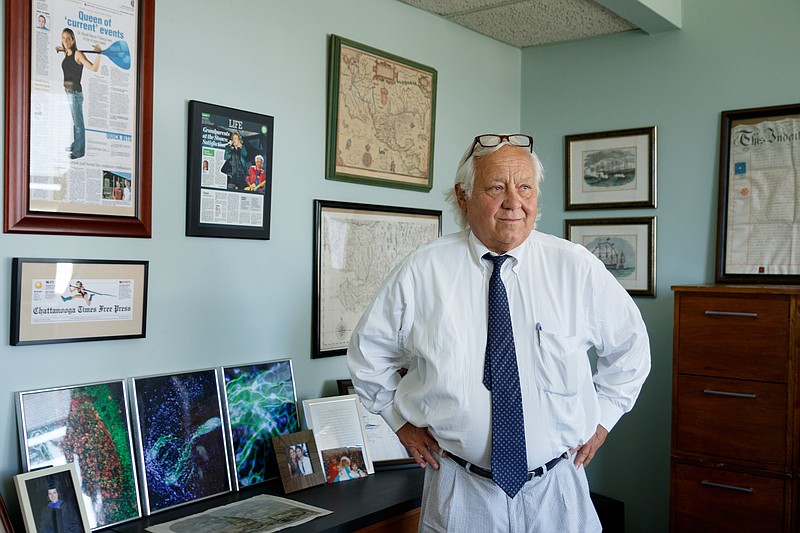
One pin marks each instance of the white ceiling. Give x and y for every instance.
(524, 23)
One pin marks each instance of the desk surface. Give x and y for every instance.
(355, 504)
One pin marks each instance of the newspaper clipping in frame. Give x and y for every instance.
(88, 300)
(84, 112)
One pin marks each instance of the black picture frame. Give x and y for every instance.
(220, 201)
(373, 228)
(607, 237)
(755, 244)
(45, 288)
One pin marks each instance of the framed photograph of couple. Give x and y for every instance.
(759, 175)
(72, 300)
(229, 182)
(298, 460)
(626, 246)
(79, 103)
(382, 114)
(610, 169)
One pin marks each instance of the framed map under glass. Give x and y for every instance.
(355, 248)
(382, 111)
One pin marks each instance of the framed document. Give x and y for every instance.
(759, 176)
(79, 91)
(355, 248)
(382, 110)
(339, 435)
(611, 169)
(71, 300)
(89, 425)
(626, 246)
(229, 190)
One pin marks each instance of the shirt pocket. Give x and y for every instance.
(558, 369)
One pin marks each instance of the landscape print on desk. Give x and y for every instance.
(261, 404)
(87, 425)
(181, 443)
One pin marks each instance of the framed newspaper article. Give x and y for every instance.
(759, 174)
(79, 99)
(229, 191)
(381, 117)
(355, 248)
(71, 300)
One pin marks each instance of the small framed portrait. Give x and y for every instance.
(50, 500)
(298, 460)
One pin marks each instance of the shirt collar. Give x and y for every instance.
(478, 250)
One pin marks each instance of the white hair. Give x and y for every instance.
(259, 157)
(465, 177)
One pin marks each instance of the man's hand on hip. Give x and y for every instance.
(585, 453)
(420, 444)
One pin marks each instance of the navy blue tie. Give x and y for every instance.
(501, 378)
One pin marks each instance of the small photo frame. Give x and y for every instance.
(626, 246)
(298, 460)
(229, 189)
(88, 424)
(340, 437)
(386, 450)
(610, 169)
(181, 445)
(51, 496)
(72, 300)
(382, 113)
(261, 403)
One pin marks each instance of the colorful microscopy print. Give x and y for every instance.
(87, 425)
(261, 405)
(182, 446)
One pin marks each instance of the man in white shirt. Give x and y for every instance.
(431, 316)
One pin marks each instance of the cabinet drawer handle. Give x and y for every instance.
(729, 487)
(731, 313)
(725, 393)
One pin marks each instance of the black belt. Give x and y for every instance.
(537, 472)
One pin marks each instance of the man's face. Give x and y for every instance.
(52, 495)
(502, 209)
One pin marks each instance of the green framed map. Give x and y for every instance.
(382, 111)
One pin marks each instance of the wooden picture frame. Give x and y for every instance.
(610, 169)
(72, 193)
(367, 86)
(74, 300)
(378, 235)
(35, 489)
(293, 477)
(626, 246)
(172, 415)
(226, 197)
(5, 521)
(385, 448)
(88, 424)
(756, 222)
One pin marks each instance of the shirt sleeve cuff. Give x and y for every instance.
(393, 418)
(609, 414)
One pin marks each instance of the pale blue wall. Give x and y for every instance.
(730, 54)
(219, 301)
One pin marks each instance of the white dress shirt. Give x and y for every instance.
(430, 315)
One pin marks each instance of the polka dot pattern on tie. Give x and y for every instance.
(501, 377)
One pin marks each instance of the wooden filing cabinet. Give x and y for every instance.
(735, 409)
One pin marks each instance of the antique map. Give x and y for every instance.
(359, 250)
(385, 119)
